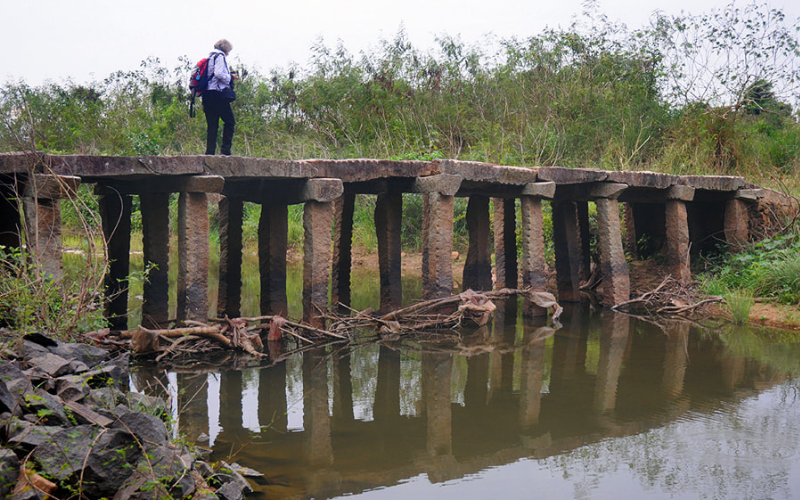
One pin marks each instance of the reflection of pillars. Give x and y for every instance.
(505, 243)
(437, 245)
(613, 341)
(568, 249)
(272, 407)
(42, 208)
(613, 267)
(316, 419)
(531, 378)
(533, 265)
(230, 401)
(193, 405)
(193, 257)
(387, 391)
(737, 232)
(155, 246)
(229, 298)
(733, 369)
(342, 386)
(317, 220)
(437, 371)
(505, 320)
(476, 392)
(676, 359)
(569, 350)
(478, 265)
(10, 225)
(343, 208)
(388, 220)
(115, 212)
(273, 233)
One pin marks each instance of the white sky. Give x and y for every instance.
(87, 40)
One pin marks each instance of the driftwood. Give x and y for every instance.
(245, 333)
(671, 297)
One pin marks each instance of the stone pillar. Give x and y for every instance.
(737, 232)
(193, 259)
(677, 244)
(533, 264)
(631, 236)
(343, 208)
(568, 250)
(437, 233)
(613, 341)
(155, 244)
(505, 243)
(317, 220)
(10, 221)
(613, 267)
(42, 208)
(273, 234)
(229, 298)
(388, 225)
(115, 213)
(585, 268)
(478, 266)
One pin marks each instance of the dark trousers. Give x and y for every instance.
(216, 108)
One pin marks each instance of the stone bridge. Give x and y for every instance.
(678, 216)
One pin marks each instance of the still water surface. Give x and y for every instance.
(607, 406)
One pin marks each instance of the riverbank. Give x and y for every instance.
(69, 425)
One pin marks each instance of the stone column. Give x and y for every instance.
(388, 225)
(437, 233)
(631, 236)
(115, 213)
(614, 339)
(317, 220)
(568, 250)
(613, 267)
(193, 246)
(42, 208)
(677, 232)
(737, 232)
(273, 233)
(478, 265)
(229, 298)
(585, 268)
(343, 208)
(533, 264)
(505, 243)
(155, 245)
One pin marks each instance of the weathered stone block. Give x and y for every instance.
(614, 268)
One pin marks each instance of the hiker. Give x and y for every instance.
(217, 99)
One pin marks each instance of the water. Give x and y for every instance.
(608, 406)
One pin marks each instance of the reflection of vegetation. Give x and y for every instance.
(777, 350)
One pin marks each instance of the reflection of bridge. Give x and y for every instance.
(676, 213)
(547, 398)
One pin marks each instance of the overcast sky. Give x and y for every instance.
(86, 40)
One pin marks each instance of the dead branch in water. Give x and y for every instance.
(671, 297)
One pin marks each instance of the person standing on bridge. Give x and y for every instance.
(217, 99)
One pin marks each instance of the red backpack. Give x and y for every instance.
(198, 82)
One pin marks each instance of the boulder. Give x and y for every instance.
(51, 364)
(9, 471)
(148, 429)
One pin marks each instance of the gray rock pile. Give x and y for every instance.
(69, 426)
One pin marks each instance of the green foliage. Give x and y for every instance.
(739, 303)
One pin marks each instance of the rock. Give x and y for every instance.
(28, 436)
(103, 457)
(162, 467)
(147, 428)
(49, 408)
(51, 364)
(72, 388)
(9, 470)
(88, 355)
(8, 401)
(151, 404)
(233, 484)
